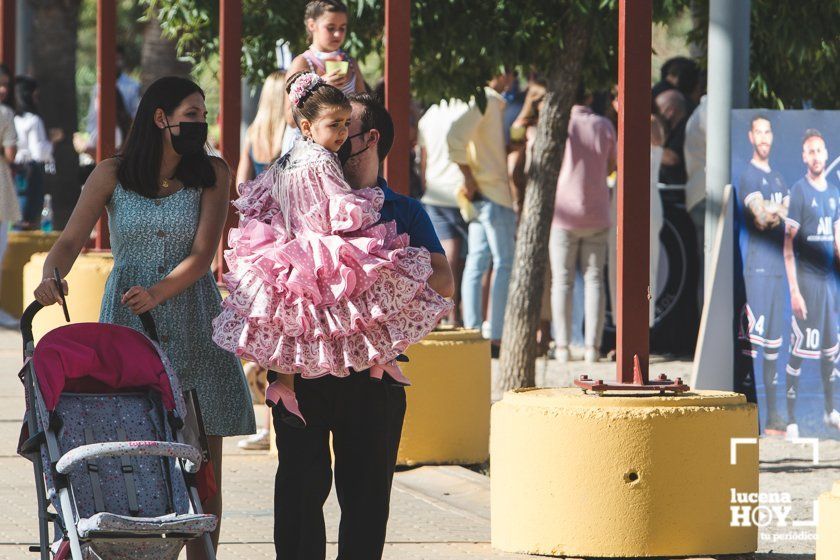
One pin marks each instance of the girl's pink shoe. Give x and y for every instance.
(280, 396)
(389, 372)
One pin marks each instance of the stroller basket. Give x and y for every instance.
(105, 430)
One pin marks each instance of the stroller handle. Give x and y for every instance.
(29, 315)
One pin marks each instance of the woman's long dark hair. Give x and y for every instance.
(142, 152)
(25, 88)
(123, 118)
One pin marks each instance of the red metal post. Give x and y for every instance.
(230, 115)
(634, 53)
(633, 297)
(397, 89)
(106, 97)
(7, 34)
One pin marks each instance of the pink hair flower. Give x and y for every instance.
(302, 87)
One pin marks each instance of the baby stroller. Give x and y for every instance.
(105, 427)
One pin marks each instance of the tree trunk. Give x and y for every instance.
(53, 46)
(519, 347)
(159, 57)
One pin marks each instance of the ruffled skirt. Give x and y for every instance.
(325, 304)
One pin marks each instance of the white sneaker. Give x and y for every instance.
(832, 420)
(256, 442)
(591, 355)
(792, 432)
(8, 322)
(561, 354)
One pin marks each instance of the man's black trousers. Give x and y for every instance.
(365, 418)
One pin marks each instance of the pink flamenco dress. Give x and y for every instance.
(317, 286)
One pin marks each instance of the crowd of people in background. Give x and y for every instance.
(469, 168)
(28, 151)
(474, 170)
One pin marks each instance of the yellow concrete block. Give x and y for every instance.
(22, 245)
(447, 419)
(828, 536)
(86, 282)
(620, 476)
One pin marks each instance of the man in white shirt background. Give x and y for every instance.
(443, 179)
(477, 145)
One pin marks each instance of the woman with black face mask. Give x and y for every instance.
(167, 201)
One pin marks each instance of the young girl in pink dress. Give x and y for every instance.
(317, 286)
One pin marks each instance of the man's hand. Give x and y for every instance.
(470, 187)
(56, 135)
(797, 304)
(762, 217)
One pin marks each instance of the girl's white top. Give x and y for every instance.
(33, 143)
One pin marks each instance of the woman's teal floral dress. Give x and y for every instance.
(149, 238)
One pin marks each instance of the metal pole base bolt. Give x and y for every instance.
(662, 384)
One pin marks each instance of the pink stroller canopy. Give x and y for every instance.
(98, 358)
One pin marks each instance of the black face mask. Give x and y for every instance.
(191, 138)
(345, 151)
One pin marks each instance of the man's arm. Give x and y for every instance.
(797, 302)
(470, 185)
(441, 279)
(792, 225)
(422, 234)
(459, 136)
(837, 237)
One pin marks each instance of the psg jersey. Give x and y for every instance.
(764, 248)
(814, 213)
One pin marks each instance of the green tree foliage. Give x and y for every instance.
(794, 52)
(456, 44)
(195, 26)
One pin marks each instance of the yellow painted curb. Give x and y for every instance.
(447, 419)
(22, 245)
(86, 282)
(828, 538)
(624, 476)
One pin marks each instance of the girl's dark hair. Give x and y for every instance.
(10, 99)
(25, 88)
(317, 8)
(141, 154)
(321, 96)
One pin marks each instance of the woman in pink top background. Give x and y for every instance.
(580, 228)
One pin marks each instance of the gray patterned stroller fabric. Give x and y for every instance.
(115, 469)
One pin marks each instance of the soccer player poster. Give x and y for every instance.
(786, 172)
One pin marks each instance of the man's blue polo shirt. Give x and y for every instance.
(411, 218)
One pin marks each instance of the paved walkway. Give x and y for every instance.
(438, 513)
